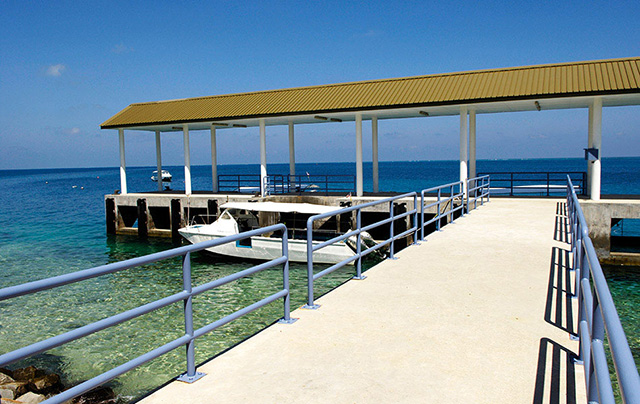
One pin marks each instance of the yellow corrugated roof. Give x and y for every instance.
(602, 77)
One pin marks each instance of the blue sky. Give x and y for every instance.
(66, 67)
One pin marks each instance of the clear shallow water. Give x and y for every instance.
(48, 227)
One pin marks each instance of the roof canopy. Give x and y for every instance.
(568, 85)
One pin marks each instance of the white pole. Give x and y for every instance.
(263, 157)
(187, 160)
(292, 152)
(123, 165)
(597, 144)
(464, 138)
(214, 160)
(374, 149)
(159, 160)
(590, 145)
(472, 144)
(359, 186)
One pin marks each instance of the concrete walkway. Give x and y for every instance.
(478, 313)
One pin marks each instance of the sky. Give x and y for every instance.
(68, 66)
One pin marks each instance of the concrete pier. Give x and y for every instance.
(477, 313)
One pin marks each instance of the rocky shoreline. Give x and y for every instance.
(31, 385)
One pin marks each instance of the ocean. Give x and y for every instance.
(52, 222)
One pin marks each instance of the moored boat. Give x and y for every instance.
(238, 217)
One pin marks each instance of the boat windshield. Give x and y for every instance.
(246, 219)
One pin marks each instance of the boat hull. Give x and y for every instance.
(267, 248)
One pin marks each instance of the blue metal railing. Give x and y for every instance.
(357, 232)
(288, 184)
(477, 188)
(186, 295)
(536, 182)
(597, 314)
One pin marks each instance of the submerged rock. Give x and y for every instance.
(99, 395)
(47, 384)
(27, 374)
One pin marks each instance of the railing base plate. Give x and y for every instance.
(311, 307)
(359, 278)
(577, 361)
(392, 258)
(289, 321)
(190, 379)
(574, 337)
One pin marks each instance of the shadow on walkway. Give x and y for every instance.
(553, 361)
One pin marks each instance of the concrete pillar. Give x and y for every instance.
(123, 165)
(214, 160)
(187, 160)
(263, 157)
(292, 152)
(374, 148)
(159, 160)
(472, 144)
(590, 145)
(359, 177)
(464, 138)
(595, 115)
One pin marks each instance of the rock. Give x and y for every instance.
(46, 384)
(6, 394)
(28, 373)
(5, 378)
(6, 372)
(10, 401)
(31, 398)
(101, 395)
(17, 388)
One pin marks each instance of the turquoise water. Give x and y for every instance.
(52, 222)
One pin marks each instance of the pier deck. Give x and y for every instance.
(478, 313)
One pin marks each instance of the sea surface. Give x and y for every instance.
(52, 222)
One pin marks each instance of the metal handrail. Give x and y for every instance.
(359, 254)
(597, 314)
(186, 295)
(286, 183)
(479, 187)
(545, 180)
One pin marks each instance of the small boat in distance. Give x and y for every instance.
(239, 217)
(166, 176)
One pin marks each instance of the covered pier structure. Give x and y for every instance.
(592, 85)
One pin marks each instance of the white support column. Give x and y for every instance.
(263, 157)
(214, 160)
(596, 138)
(187, 160)
(159, 160)
(292, 152)
(374, 149)
(472, 144)
(123, 165)
(590, 145)
(464, 138)
(359, 182)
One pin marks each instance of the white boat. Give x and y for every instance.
(238, 217)
(166, 176)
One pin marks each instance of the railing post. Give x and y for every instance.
(415, 218)
(359, 246)
(511, 184)
(191, 375)
(422, 216)
(488, 189)
(391, 225)
(465, 198)
(438, 213)
(286, 318)
(548, 184)
(310, 305)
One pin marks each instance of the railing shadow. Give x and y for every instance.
(554, 360)
(561, 230)
(559, 306)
